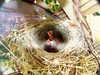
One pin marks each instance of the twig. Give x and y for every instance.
(89, 45)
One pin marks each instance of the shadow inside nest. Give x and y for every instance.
(51, 37)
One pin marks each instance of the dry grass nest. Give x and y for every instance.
(28, 56)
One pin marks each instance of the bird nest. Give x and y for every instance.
(29, 52)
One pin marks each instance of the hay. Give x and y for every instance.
(27, 44)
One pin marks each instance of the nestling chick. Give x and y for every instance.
(51, 43)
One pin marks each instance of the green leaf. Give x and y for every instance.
(3, 49)
(56, 7)
(48, 1)
(55, 1)
(53, 9)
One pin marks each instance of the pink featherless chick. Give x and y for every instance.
(51, 43)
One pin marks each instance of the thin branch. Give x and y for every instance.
(90, 46)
